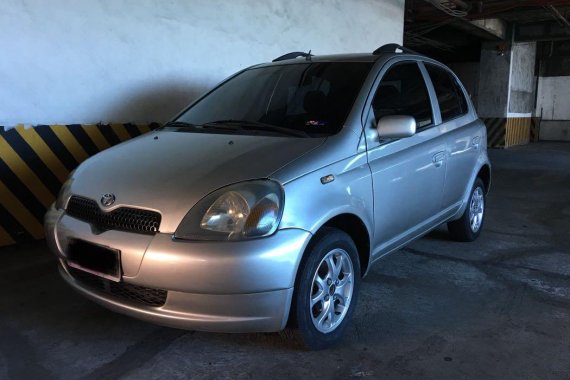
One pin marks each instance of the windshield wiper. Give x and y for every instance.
(256, 125)
(198, 127)
(180, 124)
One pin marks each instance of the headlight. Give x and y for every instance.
(242, 211)
(64, 193)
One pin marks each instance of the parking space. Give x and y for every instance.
(498, 307)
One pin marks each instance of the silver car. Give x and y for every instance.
(268, 199)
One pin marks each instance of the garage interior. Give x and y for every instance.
(81, 77)
(511, 56)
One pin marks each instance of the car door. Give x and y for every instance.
(462, 132)
(408, 174)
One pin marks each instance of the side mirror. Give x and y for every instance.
(396, 126)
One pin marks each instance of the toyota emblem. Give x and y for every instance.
(108, 200)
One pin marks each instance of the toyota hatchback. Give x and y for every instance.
(268, 199)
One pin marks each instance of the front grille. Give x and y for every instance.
(130, 292)
(123, 218)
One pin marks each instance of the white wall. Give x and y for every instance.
(85, 61)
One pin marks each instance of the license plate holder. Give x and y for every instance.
(96, 259)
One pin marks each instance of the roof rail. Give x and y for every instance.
(294, 55)
(391, 48)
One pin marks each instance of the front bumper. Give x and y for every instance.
(211, 286)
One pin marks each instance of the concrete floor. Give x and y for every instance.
(495, 308)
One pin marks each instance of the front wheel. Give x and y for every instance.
(326, 288)
(468, 227)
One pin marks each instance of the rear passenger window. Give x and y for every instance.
(450, 97)
(402, 91)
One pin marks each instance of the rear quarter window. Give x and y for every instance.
(452, 102)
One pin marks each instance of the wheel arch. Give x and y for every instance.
(355, 227)
(485, 174)
(483, 171)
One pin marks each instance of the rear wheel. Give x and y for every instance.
(326, 289)
(468, 227)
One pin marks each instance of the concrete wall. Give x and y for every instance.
(554, 58)
(555, 130)
(553, 94)
(494, 75)
(553, 101)
(506, 80)
(80, 61)
(522, 78)
(553, 104)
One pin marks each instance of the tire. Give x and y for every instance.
(467, 228)
(329, 272)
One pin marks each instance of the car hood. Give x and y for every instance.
(170, 171)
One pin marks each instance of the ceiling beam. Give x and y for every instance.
(424, 11)
(494, 26)
(558, 16)
(541, 31)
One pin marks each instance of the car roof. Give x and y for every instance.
(356, 57)
(383, 52)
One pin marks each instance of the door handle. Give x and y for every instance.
(438, 159)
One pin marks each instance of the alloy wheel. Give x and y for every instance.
(476, 209)
(331, 290)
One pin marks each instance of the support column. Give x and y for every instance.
(507, 91)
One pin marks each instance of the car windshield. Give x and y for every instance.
(305, 99)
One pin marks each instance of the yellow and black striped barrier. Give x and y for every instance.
(34, 163)
(507, 132)
(518, 131)
(496, 131)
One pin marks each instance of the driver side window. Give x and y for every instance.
(402, 91)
